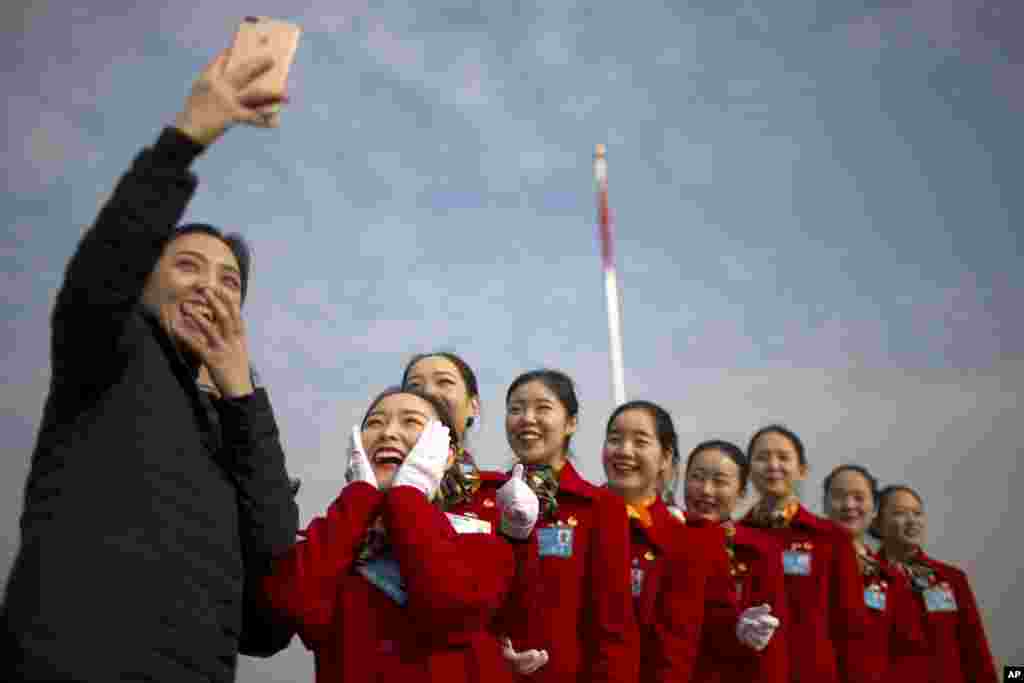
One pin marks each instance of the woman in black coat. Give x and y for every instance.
(152, 507)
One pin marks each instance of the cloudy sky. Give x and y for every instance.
(815, 215)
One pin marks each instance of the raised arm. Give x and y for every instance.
(106, 276)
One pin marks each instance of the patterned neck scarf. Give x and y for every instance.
(641, 512)
(375, 542)
(869, 566)
(461, 481)
(920, 574)
(735, 567)
(777, 516)
(543, 481)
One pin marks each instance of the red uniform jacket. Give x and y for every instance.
(511, 618)
(753, 577)
(455, 583)
(583, 610)
(824, 592)
(957, 650)
(670, 565)
(894, 628)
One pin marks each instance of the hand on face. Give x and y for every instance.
(359, 468)
(221, 98)
(211, 327)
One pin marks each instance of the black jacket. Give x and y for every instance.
(146, 524)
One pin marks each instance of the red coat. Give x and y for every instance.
(583, 611)
(957, 650)
(511, 618)
(753, 577)
(455, 584)
(894, 629)
(670, 566)
(824, 593)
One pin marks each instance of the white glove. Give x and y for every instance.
(756, 627)
(424, 467)
(525, 662)
(359, 467)
(518, 505)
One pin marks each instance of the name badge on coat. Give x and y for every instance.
(384, 573)
(555, 541)
(468, 525)
(940, 598)
(874, 598)
(796, 563)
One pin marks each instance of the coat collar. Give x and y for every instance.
(569, 481)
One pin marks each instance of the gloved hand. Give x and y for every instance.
(359, 467)
(424, 467)
(756, 626)
(518, 505)
(525, 662)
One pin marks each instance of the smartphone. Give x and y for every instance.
(266, 37)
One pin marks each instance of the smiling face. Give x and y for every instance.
(633, 457)
(902, 521)
(850, 502)
(775, 466)
(439, 377)
(712, 485)
(538, 425)
(191, 267)
(390, 431)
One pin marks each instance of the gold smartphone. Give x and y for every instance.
(265, 37)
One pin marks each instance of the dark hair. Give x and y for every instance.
(859, 469)
(468, 376)
(234, 241)
(559, 383)
(883, 498)
(439, 407)
(731, 450)
(783, 431)
(666, 433)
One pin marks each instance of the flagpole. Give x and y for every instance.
(611, 285)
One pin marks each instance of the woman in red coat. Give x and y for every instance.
(387, 587)
(715, 481)
(448, 377)
(958, 651)
(894, 628)
(583, 611)
(824, 590)
(670, 562)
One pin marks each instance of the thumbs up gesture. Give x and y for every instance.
(518, 505)
(756, 626)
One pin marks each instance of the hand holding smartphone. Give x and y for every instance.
(261, 37)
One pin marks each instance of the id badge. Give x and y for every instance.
(940, 598)
(637, 581)
(555, 541)
(469, 525)
(874, 599)
(796, 563)
(384, 573)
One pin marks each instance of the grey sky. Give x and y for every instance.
(815, 223)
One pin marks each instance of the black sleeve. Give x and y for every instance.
(268, 514)
(106, 275)
(253, 453)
